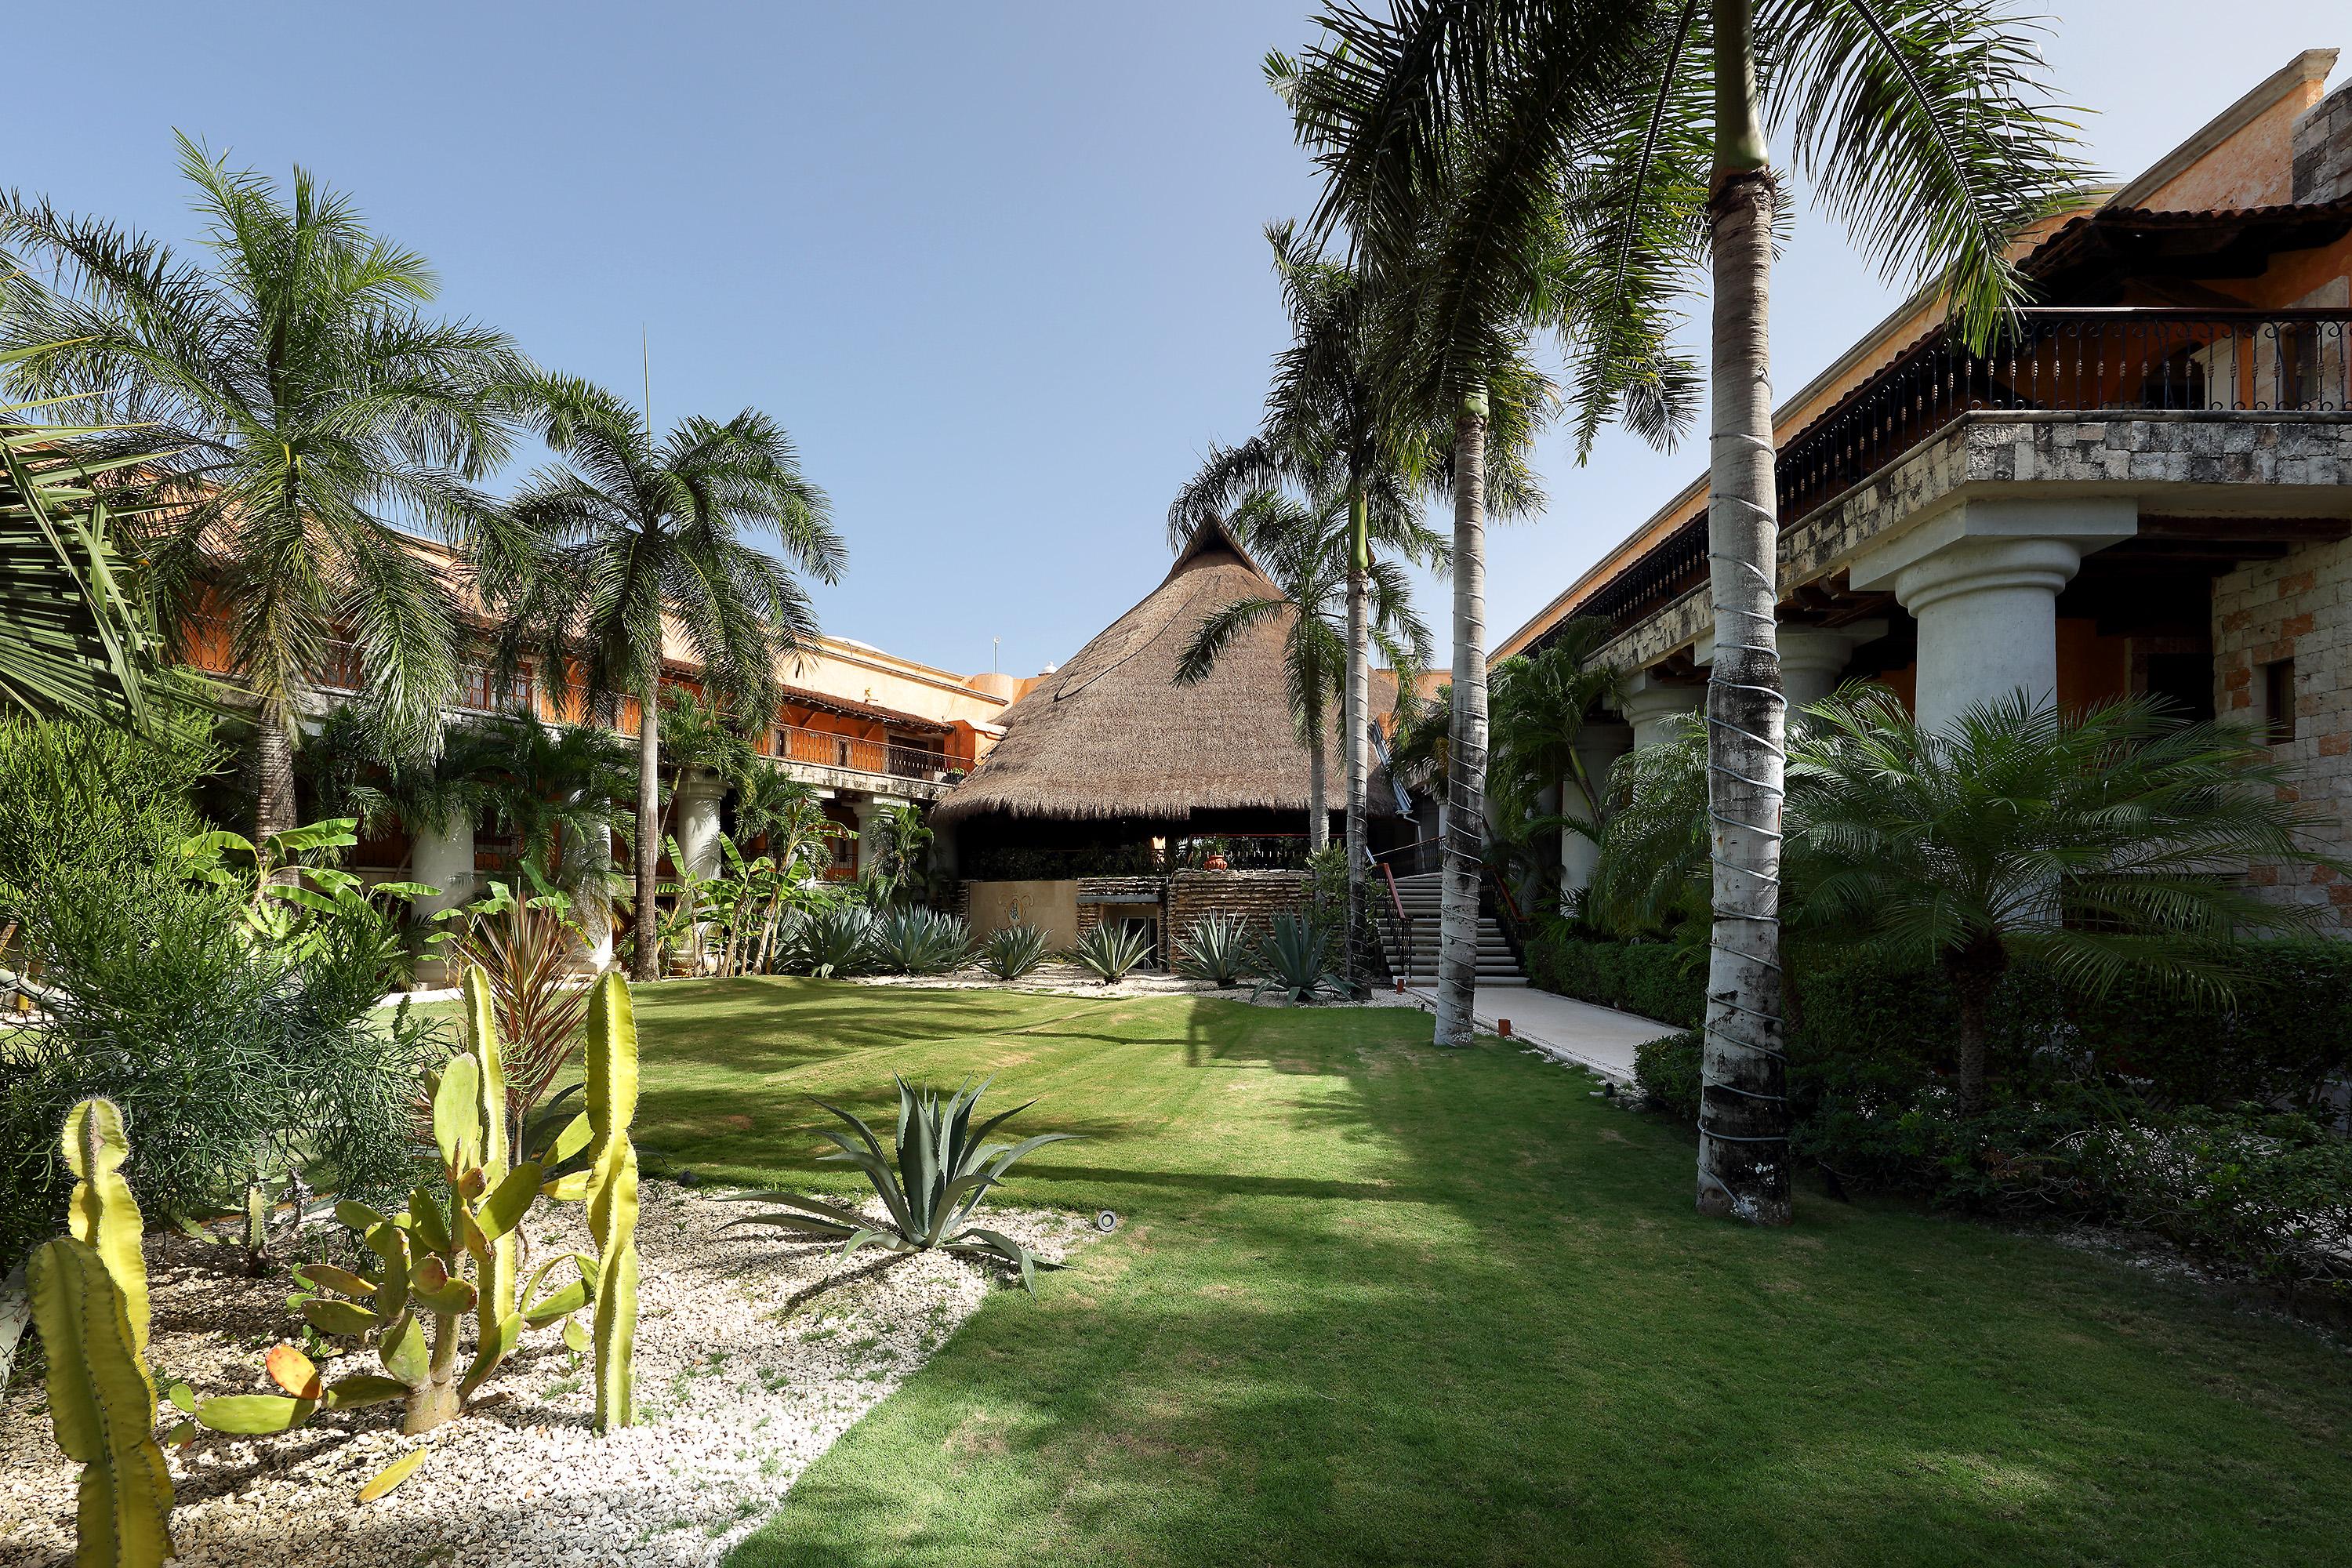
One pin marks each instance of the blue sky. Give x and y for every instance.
(997, 268)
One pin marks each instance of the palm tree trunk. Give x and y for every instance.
(1465, 775)
(647, 962)
(274, 809)
(1354, 705)
(1318, 788)
(1975, 974)
(1743, 1154)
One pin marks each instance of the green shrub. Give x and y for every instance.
(232, 1062)
(913, 940)
(1666, 1072)
(2262, 1196)
(1665, 981)
(1014, 952)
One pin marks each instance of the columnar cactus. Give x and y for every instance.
(495, 1263)
(612, 1193)
(102, 1404)
(101, 1214)
(420, 1286)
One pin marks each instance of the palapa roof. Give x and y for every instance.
(1110, 733)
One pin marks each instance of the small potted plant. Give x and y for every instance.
(1212, 856)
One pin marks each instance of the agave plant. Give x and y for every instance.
(836, 940)
(1109, 950)
(945, 1168)
(1216, 948)
(1014, 952)
(1295, 958)
(913, 940)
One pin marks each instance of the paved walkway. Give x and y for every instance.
(1601, 1038)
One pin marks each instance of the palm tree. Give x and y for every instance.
(645, 539)
(1310, 554)
(1460, 263)
(1541, 704)
(1329, 427)
(1924, 126)
(304, 410)
(2096, 843)
(553, 789)
(76, 635)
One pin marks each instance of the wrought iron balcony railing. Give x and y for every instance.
(2060, 359)
(826, 748)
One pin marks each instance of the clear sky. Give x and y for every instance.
(997, 268)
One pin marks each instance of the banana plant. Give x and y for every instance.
(289, 899)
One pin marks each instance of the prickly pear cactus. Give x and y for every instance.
(612, 1034)
(103, 1407)
(101, 1214)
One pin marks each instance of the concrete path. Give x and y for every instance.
(1601, 1038)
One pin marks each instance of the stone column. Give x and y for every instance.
(593, 911)
(1814, 658)
(443, 858)
(1652, 705)
(694, 823)
(1983, 584)
(1598, 747)
(868, 810)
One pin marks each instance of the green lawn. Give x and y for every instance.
(1376, 1303)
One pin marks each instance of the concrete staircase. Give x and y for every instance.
(1421, 897)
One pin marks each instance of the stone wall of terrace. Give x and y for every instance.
(2185, 462)
(1255, 897)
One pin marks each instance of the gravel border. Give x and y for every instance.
(755, 1353)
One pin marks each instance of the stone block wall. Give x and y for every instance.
(2297, 608)
(1255, 895)
(2323, 148)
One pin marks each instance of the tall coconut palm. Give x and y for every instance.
(1925, 125)
(1309, 552)
(1461, 263)
(645, 539)
(305, 411)
(1329, 427)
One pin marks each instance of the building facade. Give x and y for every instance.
(2147, 488)
(867, 729)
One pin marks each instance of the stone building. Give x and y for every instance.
(2146, 489)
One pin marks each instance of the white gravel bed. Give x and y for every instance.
(753, 1353)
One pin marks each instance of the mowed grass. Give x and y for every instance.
(1372, 1302)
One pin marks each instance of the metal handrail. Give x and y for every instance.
(1404, 922)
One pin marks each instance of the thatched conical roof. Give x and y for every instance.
(1110, 733)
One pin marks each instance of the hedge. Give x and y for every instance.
(2285, 1034)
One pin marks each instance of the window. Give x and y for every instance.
(2278, 701)
(479, 691)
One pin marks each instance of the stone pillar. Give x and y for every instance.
(593, 911)
(694, 823)
(1598, 747)
(1814, 658)
(868, 810)
(443, 858)
(1652, 705)
(1983, 584)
